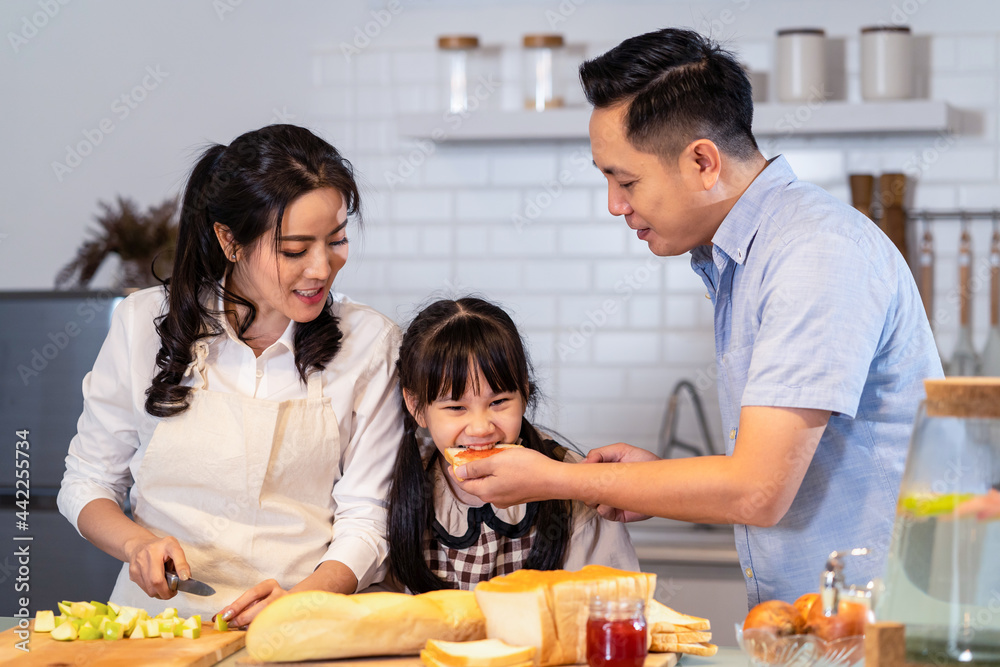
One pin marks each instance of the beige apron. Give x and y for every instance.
(246, 487)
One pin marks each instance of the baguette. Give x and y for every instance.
(318, 625)
(458, 456)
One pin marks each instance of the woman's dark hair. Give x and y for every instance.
(679, 86)
(246, 186)
(442, 349)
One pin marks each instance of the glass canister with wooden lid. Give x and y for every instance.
(544, 56)
(942, 578)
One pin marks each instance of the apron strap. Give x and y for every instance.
(199, 352)
(315, 385)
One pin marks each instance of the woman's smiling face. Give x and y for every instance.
(292, 281)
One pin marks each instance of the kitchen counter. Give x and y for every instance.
(726, 657)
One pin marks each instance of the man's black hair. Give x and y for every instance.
(679, 86)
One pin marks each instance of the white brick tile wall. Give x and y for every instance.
(965, 90)
(373, 67)
(376, 101)
(423, 206)
(415, 66)
(559, 204)
(333, 102)
(458, 169)
(591, 383)
(622, 276)
(471, 241)
(437, 241)
(626, 347)
(944, 53)
(968, 165)
(508, 239)
(979, 196)
(977, 53)
(590, 240)
(817, 166)
(592, 311)
(335, 69)
(556, 275)
(645, 312)
(486, 276)
(405, 241)
(535, 312)
(531, 168)
(374, 136)
(415, 274)
(496, 204)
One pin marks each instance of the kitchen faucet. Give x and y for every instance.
(668, 440)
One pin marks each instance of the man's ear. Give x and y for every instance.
(701, 162)
(411, 407)
(226, 241)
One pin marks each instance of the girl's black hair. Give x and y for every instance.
(441, 350)
(246, 186)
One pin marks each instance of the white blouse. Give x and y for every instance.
(115, 429)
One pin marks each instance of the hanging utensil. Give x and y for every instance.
(862, 190)
(964, 360)
(892, 194)
(991, 353)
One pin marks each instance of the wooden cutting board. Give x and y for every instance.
(652, 660)
(208, 649)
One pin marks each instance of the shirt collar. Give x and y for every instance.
(287, 337)
(736, 233)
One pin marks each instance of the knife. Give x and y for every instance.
(192, 586)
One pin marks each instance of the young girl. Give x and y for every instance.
(466, 382)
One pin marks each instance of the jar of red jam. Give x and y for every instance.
(616, 633)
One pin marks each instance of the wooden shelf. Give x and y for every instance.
(803, 120)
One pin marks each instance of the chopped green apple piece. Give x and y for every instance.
(142, 616)
(139, 632)
(82, 609)
(100, 609)
(127, 619)
(88, 632)
(103, 624)
(115, 608)
(191, 633)
(114, 631)
(152, 628)
(45, 621)
(169, 612)
(65, 608)
(77, 622)
(220, 624)
(193, 622)
(60, 619)
(64, 633)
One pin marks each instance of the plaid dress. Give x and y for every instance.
(468, 544)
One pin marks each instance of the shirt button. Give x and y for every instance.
(749, 573)
(732, 434)
(260, 373)
(707, 295)
(739, 254)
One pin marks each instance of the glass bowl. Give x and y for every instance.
(766, 649)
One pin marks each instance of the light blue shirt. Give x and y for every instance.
(815, 308)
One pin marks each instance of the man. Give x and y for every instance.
(821, 338)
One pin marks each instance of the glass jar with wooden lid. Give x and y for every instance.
(543, 61)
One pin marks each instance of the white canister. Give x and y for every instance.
(801, 65)
(886, 63)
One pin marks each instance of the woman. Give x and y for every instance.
(253, 412)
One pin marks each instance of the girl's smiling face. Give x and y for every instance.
(479, 419)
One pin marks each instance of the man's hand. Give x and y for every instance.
(512, 477)
(619, 453)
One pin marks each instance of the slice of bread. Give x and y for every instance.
(661, 618)
(482, 653)
(706, 650)
(663, 642)
(430, 661)
(457, 456)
